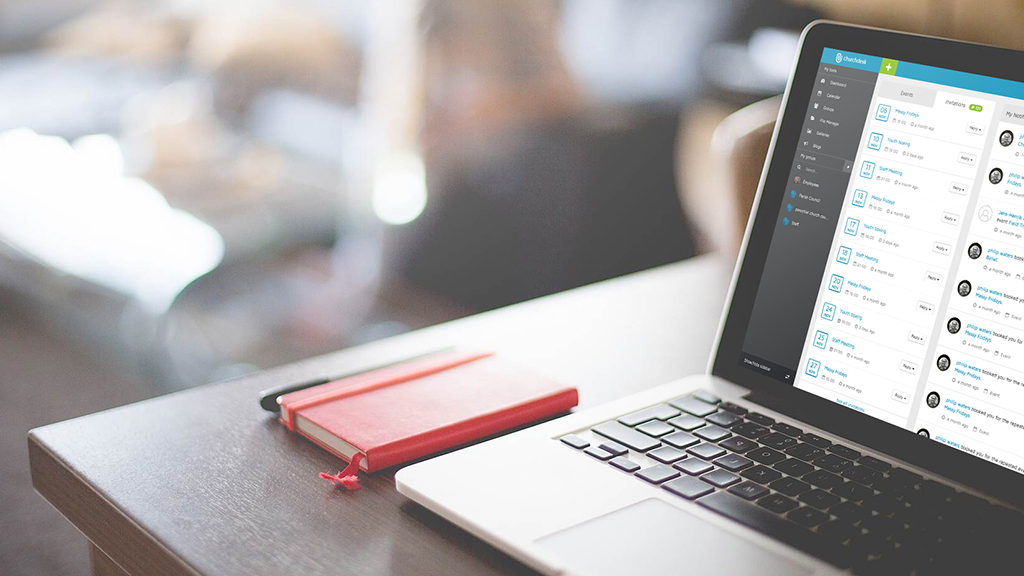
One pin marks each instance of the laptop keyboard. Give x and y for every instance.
(826, 499)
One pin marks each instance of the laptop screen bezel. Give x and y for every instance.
(886, 438)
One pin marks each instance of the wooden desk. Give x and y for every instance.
(205, 482)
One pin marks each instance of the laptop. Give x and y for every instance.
(864, 406)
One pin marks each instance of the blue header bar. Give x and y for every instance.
(958, 79)
(930, 74)
(851, 60)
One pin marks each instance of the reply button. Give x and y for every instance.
(908, 366)
(958, 188)
(965, 158)
(900, 396)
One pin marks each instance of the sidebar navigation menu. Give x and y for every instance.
(807, 220)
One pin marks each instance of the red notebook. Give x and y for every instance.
(422, 406)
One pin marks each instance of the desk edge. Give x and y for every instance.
(108, 528)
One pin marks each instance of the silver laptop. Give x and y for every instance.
(864, 406)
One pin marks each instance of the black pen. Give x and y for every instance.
(268, 397)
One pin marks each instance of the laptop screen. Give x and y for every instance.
(894, 280)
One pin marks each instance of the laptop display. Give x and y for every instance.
(893, 283)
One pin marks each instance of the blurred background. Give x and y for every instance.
(191, 191)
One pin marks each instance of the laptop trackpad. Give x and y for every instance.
(654, 537)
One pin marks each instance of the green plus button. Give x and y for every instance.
(888, 66)
(976, 107)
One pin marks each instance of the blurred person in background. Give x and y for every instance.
(535, 186)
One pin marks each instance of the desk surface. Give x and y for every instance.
(205, 482)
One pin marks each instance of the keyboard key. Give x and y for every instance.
(599, 453)
(924, 506)
(750, 430)
(574, 441)
(693, 466)
(962, 500)
(807, 516)
(666, 455)
(626, 436)
(777, 503)
(872, 545)
(852, 491)
(691, 405)
(838, 531)
(720, 478)
(822, 479)
(766, 455)
(655, 428)
(815, 440)
(733, 462)
(738, 444)
(963, 507)
(761, 474)
(880, 525)
(849, 512)
(819, 499)
(905, 476)
(705, 396)
(748, 490)
(734, 408)
(712, 433)
(660, 412)
(787, 429)
(724, 419)
(777, 440)
(899, 561)
(775, 526)
(890, 486)
(875, 464)
(789, 486)
(706, 451)
(657, 474)
(844, 451)
(686, 422)
(833, 463)
(680, 440)
(793, 467)
(624, 464)
(883, 504)
(861, 474)
(614, 448)
(805, 452)
(688, 487)
(936, 491)
(760, 418)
